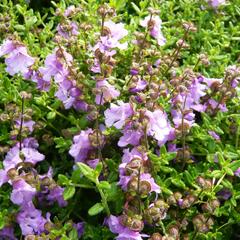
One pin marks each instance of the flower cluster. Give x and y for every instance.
(155, 143)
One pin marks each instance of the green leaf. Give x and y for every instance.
(229, 171)
(234, 165)
(51, 115)
(73, 235)
(95, 209)
(98, 169)
(171, 155)
(63, 180)
(87, 171)
(68, 192)
(166, 169)
(179, 183)
(30, 21)
(136, 8)
(104, 185)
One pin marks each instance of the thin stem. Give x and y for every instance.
(176, 52)
(21, 124)
(138, 192)
(183, 133)
(102, 24)
(82, 186)
(99, 151)
(163, 227)
(237, 136)
(69, 67)
(141, 47)
(58, 113)
(104, 200)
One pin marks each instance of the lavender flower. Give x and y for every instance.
(56, 195)
(80, 228)
(154, 24)
(30, 220)
(116, 115)
(81, 146)
(18, 61)
(22, 193)
(29, 152)
(107, 92)
(7, 233)
(68, 29)
(215, 3)
(214, 135)
(8, 46)
(130, 135)
(123, 232)
(27, 124)
(124, 181)
(158, 126)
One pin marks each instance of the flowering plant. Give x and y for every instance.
(119, 120)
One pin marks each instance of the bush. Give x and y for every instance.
(119, 119)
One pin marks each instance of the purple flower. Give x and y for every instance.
(30, 220)
(108, 92)
(18, 61)
(63, 95)
(8, 46)
(37, 77)
(177, 118)
(155, 29)
(7, 233)
(117, 115)
(214, 104)
(117, 32)
(12, 158)
(130, 135)
(224, 194)
(134, 153)
(214, 135)
(117, 29)
(69, 11)
(139, 86)
(81, 146)
(80, 228)
(56, 195)
(72, 30)
(210, 81)
(158, 126)
(123, 232)
(22, 193)
(27, 124)
(124, 180)
(55, 66)
(237, 172)
(215, 3)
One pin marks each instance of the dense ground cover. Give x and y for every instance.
(119, 119)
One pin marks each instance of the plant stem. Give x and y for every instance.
(183, 133)
(138, 192)
(104, 200)
(21, 124)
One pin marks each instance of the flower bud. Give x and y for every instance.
(96, 138)
(48, 226)
(12, 173)
(200, 181)
(30, 237)
(144, 188)
(156, 236)
(136, 225)
(133, 185)
(133, 166)
(174, 231)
